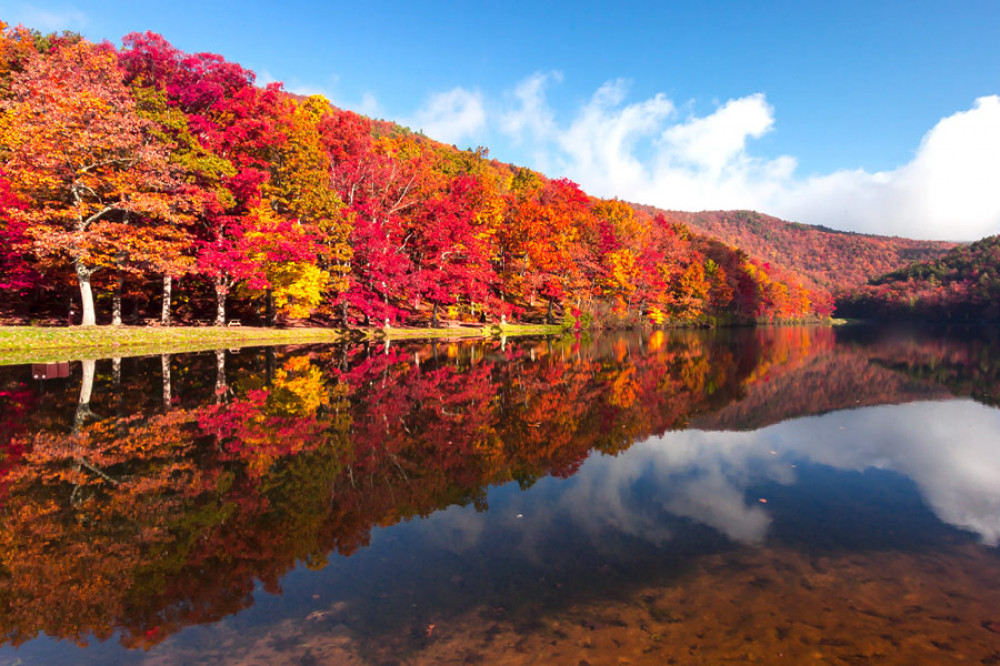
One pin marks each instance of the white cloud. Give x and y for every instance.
(644, 152)
(306, 89)
(532, 115)
(714, 142)
(45, 20)
(450, 116)
(601, 142)
(369, 106)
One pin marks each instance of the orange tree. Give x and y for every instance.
(85, 159)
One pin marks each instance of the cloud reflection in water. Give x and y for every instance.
(950, 450)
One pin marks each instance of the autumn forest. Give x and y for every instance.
(148, 183)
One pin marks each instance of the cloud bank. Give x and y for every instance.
(949, 190)
(649, 151)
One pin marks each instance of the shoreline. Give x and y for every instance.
(45, 344)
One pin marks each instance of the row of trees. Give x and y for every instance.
(125, 169)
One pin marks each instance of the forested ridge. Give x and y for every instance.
(822, 258)
(145, 183)
(963, 286)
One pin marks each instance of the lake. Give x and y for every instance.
(772, 495)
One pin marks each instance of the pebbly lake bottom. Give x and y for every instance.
(754, 606)
(776, 497)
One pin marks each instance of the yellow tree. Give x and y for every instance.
(87, 162)
(283, 255)
(300, 189)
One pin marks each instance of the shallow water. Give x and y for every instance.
(787, 495)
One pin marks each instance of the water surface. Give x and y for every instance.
(781, 495)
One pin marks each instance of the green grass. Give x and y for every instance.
(42, 344)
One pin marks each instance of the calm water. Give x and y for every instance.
(788, 495)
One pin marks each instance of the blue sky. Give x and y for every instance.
(869, 116)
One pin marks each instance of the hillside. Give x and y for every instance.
(822, 257)
(964, 285)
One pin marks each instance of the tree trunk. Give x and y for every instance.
(270, 361)
(168, 285)
(343, 314)
(220, 301)
(86, 295)
(269, 307)
(434, 316)
(86, 389)
(165, 373)
(549, 318)
(116, 303)
(116, 384)
(221, 387)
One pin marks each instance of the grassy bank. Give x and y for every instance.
(41, 344)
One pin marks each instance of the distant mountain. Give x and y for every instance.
(822, 257)
(963, 285)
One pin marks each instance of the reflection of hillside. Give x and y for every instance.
(966, 366)
(826, 383)
(865, 367)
